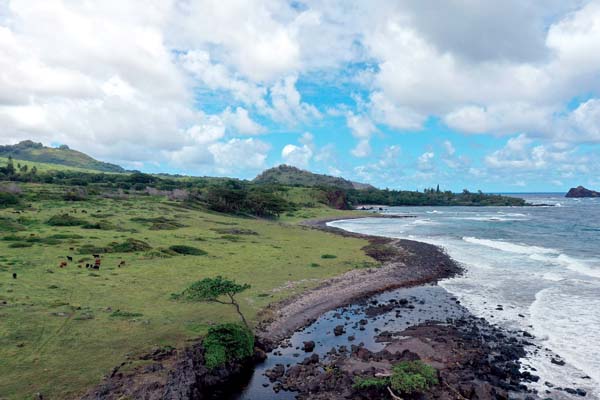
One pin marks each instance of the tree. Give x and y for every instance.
(10, 166)
(212, 289)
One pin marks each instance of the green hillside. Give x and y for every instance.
(28, 150)
(288, 175)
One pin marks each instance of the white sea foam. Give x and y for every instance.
(510, 247)
(566, 318)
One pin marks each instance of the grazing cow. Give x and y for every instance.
(69, 258)
(96, 255)
(63, 264)
(87, 265)
(71, 248)
(121, 263)
(14, 275)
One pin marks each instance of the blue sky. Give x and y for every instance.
(497, 96)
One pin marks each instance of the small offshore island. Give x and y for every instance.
(100, 275)
(581, 192)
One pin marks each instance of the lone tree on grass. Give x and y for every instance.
(212, 290)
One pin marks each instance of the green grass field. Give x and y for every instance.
(62, 329)
(45, 167)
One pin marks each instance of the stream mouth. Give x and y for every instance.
(361, 323)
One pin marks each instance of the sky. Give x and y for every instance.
(501, 96)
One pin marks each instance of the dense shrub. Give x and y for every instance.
(65, 220)
(129, 246)
(227, 342)
(408, 377)
(8, 199)
(101, 225)
(328, 256)
(413, 377)
(20, 244)
(187, 250)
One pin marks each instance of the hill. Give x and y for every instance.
(292, 176)
(28, 150)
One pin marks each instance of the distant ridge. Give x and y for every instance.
(28, 150)
(580, 191)
(288, 175)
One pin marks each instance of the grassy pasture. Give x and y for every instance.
(62, 329)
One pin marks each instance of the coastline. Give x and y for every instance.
(474, 358)
(406, 263)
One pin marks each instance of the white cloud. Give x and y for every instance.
(425, 161)
(449, 147)
(362, 149)
(241, 123)
(287, 105)
(239, 153)
(585, 120)
(298, 156)
(520, 153)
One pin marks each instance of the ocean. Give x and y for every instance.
(541, 264)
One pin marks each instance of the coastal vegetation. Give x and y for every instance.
(406, 377)
(89, 260)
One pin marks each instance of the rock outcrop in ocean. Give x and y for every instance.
(580, 191)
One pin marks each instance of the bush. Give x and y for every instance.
(101, 225)
(10, 225)
(227, 342)
(361, 383)
(18, 245)
(125, 314)
(130, 246)
(8, 200)
(65, 220)
(408, 377)
(187, 250)
(413, 377)
(326, 256)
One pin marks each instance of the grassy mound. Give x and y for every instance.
(187, 250)
(65, 220)
(130, 246)
(159, 223)
(10, 225)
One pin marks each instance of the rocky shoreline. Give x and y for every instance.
(475, 360)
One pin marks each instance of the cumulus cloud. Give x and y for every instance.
(425, 161)
(299, 156)
(240, 153)
(179, 81)
(240, 122)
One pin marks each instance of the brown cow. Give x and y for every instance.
(63, 264)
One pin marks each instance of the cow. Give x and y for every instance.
(87, 265)
(96, 255)
(121, 263)
(69, 258)
(63, 264)
(14, 275)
